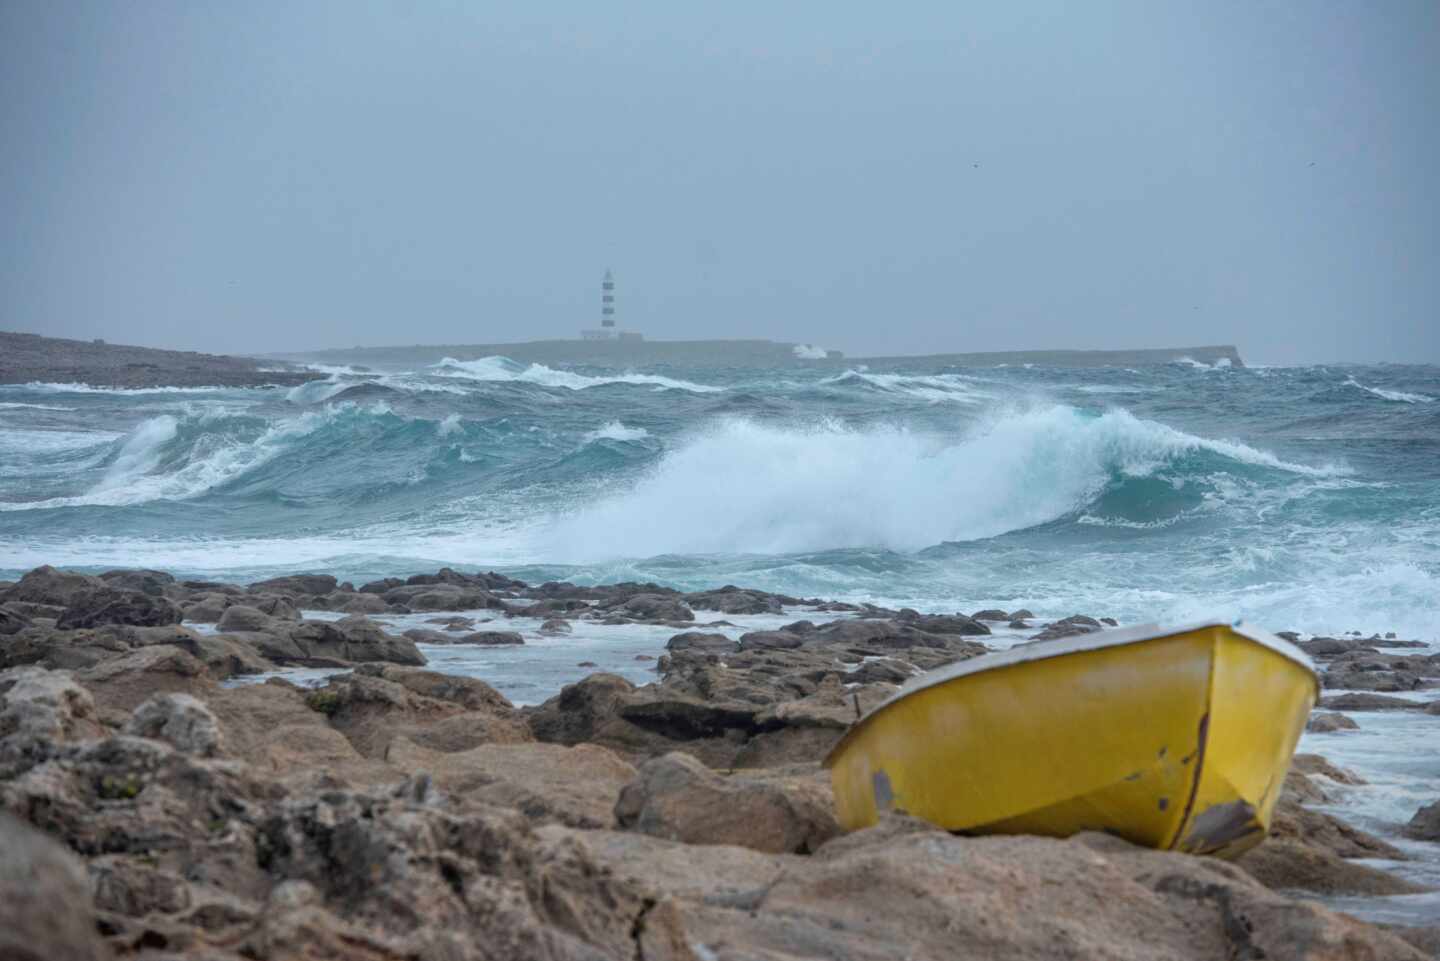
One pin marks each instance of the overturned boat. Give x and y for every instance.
(1178, 739)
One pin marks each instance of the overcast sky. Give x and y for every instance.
(879, 178)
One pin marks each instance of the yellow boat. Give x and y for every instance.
(1175, 739)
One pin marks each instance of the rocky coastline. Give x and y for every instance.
(155, 805)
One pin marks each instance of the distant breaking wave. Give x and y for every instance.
(504, 369)
(1399, 396)
(936, 388)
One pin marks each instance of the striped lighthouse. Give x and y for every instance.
(607, 301)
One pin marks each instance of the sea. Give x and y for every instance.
(1293, 498)
(1301, 498)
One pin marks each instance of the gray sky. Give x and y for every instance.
(880, 178)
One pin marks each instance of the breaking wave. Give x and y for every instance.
(1398, 396)
(504, 369)
(763, 489)
(935, 388)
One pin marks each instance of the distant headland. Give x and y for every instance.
(31, 358)
(746, 353)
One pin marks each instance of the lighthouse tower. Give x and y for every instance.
(606, 330)
(607, 301)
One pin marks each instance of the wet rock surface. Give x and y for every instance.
(398, 812)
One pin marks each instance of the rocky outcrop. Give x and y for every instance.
(107, 605)
(678, 798)
(577, 785)
(912, 892)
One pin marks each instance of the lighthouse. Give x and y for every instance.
(606, 330)
(607, 301)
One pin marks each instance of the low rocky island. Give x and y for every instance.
(31, 358)
(171, 793)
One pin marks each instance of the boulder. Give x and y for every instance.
(555, 626)
(734, 600)
(1425, 825)
(655, 607)
(699, 641)
(295, 584)
(1368, 702)
(954, 624)
(121, 684)
(206, 609)
(323, 644)
(1315, 764)
(47, 585)
(764, 640)
(491, 638)
(241, 618)
(1068, 627)
(677, 797)
(40, 710)
(354, 603)
(180, 720)
(45, 909)
(1380, 681)
(419, 879)
(1330, 646)
(106, 605)
(991, 614)
(1328, 723)
(149, 582)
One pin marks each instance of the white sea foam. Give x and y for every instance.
(1398, 396)
(504, 369)
(75, 388)
(616, 431)
(936, 388)
(17, 406)
(450, 426)
(810, 352)
(764, 489)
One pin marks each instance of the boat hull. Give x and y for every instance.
(1178, 741)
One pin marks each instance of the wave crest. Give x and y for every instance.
(503, 369)
(749, 488)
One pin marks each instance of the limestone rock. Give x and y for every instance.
(124, 683)
(700, 641)
(464, 885)
(577, 785)
(244, 618)
(492, 638)
(180, 720)
(677, 797)
(106, 605)
(47, 585)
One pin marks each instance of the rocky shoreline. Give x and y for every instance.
(160, 808)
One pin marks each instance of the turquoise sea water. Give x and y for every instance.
(1301, 498)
